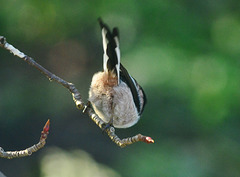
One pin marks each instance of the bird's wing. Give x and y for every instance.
(139, 100)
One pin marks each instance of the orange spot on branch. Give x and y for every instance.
(46, 127)
(148, 140)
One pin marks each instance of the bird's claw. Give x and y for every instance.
(107, 125)
(88, 105)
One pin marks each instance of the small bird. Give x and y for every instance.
(115, 95)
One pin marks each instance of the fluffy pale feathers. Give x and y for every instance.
(114, 94)
(112, 101)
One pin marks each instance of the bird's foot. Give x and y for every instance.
(107, 125)
(88, 105)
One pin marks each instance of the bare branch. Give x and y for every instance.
(52, 77)
(30, 150)
(111, 131)
(76, 97)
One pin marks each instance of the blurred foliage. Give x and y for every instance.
(184, 53)
(73, 164)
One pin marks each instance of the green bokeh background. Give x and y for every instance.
(184, 53)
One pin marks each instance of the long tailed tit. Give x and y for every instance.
(115, 95)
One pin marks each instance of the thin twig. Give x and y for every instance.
(30, 150)
(111, 131)
(76, 97)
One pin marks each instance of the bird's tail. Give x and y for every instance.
(111, 56)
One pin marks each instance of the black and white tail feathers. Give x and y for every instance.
(111, 56)
(111, 62)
